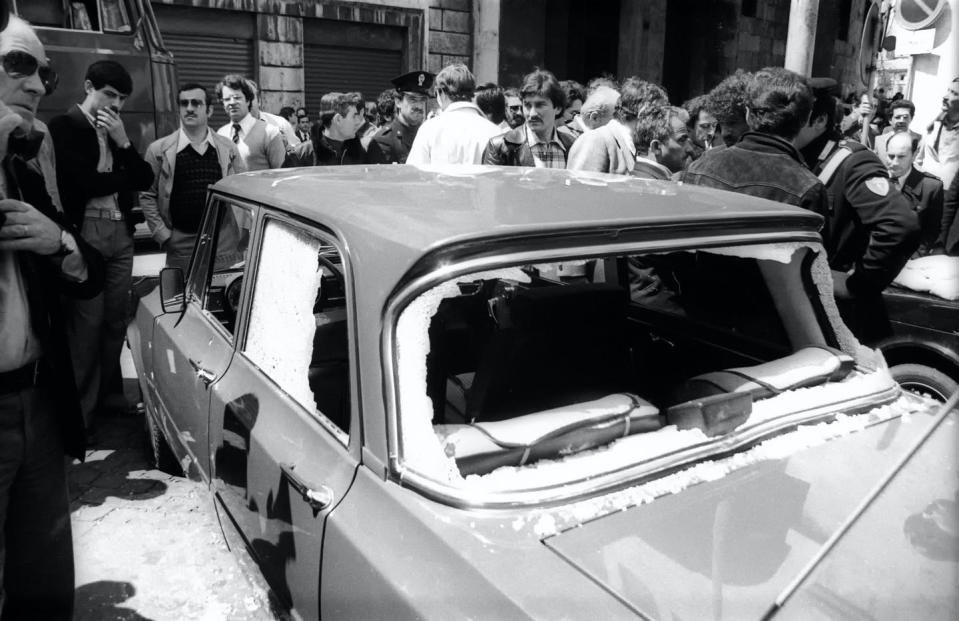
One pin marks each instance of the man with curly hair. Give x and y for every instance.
(703, 127)
(764, 161)
(727, 102)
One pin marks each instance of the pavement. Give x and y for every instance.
(148, 545)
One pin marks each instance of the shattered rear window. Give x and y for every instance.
(538, 375)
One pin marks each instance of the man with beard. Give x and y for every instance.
(395, 140)
(702, 127)
(184, 164)
(514, 107)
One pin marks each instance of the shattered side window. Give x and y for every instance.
(297, 331)
(548, 364)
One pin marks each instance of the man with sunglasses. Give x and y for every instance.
(184, 164)
(98, 172)
(41, 258)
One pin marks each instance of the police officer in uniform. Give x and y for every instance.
(871, 229)
(412, 91)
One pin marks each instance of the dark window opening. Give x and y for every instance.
(749, 8)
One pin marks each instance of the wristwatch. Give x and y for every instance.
(67, 244)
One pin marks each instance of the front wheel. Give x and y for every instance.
(921, 379)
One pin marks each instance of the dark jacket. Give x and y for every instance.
(760, 165)
(395, 141)
(321, 151)
(924, 192)
(873, 228)
(44, 286)
(77, 152)
(511, 148)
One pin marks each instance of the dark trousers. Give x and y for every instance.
(36, 545)
(97, 325)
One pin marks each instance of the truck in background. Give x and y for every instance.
(76, 33)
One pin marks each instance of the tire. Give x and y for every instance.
(158, 452)
(919, 378)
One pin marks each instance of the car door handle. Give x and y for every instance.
(204, 375)
(318, 499)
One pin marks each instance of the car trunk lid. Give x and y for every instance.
(725, 549)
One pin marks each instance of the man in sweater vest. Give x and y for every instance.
(184, 164)
(259, 143)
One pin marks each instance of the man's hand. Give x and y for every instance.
(27, 229)
(111, 121)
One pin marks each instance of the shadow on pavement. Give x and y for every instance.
(116, 466)
(99, 600)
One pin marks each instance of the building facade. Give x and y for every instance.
(299, 49)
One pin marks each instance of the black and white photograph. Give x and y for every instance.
(479, 309)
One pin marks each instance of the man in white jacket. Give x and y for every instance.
(460, 133)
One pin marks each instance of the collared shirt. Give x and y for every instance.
(104, 165)
(458, 135)
(651, 169)
(260, 144)
(546, 154)
(183, 141)
(246, 125)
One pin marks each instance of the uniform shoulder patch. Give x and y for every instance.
(878, 185)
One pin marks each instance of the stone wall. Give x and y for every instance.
(450, 38)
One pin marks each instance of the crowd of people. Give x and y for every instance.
(68, 192)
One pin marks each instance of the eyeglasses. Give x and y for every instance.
(196, 103)
(19, 64)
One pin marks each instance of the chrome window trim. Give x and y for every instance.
(603, 483)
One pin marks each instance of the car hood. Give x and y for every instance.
(727, 548)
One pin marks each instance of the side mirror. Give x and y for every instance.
(171, 290)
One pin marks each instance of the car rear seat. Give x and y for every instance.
(553, 346)
(482, 447)
(809, 366)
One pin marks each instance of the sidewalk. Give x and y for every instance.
(148, 545)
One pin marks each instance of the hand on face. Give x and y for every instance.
(109, 119)
(28, 230)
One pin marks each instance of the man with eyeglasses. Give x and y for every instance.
(184, 164)
(41, 258)
(260, 144)
(514, 108)
(99, 172)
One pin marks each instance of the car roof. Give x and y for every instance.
(413, 209)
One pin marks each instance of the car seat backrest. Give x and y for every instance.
(557, 345)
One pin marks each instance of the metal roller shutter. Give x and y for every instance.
(347, 69)
(205, 60)
(207, 44)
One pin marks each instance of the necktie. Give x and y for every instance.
(236, 132)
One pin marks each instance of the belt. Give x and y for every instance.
(103, 213)
(25, 377)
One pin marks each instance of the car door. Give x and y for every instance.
(192, 348)
(281, 415)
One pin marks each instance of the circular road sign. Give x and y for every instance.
(919, 14)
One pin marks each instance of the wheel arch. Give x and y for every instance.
(933, 355)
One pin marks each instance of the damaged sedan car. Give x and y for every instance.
(424, 393)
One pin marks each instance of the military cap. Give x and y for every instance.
(414, 82)
(823, 86)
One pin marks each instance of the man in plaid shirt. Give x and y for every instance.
(535, 143)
